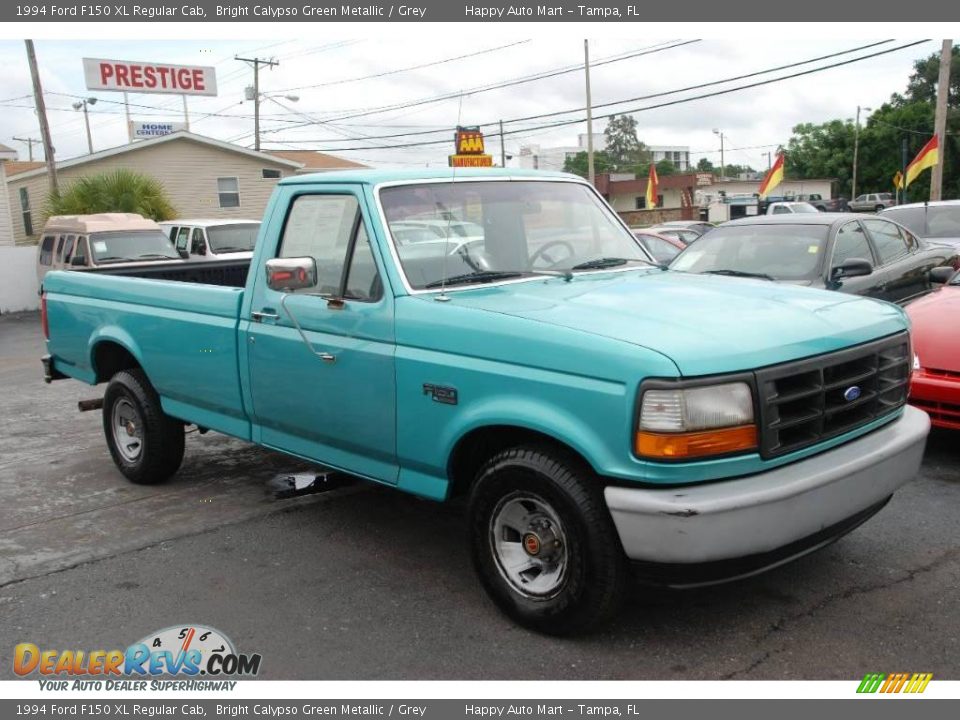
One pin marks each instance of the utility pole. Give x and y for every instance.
(29, 141)
(42, 115)
(591, 176)
(940, 122)
(904, 155)
(503, 150)
(256, 63)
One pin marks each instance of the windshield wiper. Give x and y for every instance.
(113, 258)
(740, 273)
(475, 277)
(231, 248)
(156, 255)
(606, 262)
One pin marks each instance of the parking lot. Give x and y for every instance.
(367, 583)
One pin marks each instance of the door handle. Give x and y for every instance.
(265, 314)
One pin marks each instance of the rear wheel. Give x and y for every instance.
(146, 444)
(878, 208)
(543, 541)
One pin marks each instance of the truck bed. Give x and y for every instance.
(178, 321)
(226, 273)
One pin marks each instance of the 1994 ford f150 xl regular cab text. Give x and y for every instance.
(501, 335)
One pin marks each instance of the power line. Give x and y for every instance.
(660, 94)
(508, 83)
(576, 121)
(405, 69)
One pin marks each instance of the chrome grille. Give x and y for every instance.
(807, 401)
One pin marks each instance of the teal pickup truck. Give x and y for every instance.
(500, 335)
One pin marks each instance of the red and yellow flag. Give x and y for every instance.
(653, 187)
(928, 156)
(773, 177)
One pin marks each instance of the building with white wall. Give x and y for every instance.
(536, 157)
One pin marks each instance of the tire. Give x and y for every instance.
(543, 493)
(154, 450)
(878, 208)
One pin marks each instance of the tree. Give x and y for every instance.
(626, 152)
(113, 191)
(578, 163)
(923, 82)
(826, 150)
(705, 165)
(737, 170)
(666, 167)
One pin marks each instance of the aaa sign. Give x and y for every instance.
(146, 77)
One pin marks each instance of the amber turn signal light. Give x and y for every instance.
(677, 446)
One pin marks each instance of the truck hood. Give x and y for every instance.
(704, 323)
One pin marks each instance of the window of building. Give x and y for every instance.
(270, 174)
(228, 188)
(641, 202)
(25, 211)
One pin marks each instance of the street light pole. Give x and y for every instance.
(856, 150)
(722, 164)
(82, 105)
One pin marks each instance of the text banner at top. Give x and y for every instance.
(609, 11)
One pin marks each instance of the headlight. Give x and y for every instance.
(677, 423)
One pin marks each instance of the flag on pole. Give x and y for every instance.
(653, 187)
(773, 177)
(928, 156)
(898, 180)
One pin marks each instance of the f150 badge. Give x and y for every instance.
(441, 394)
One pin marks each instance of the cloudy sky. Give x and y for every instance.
(342, 111)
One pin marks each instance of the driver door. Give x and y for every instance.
(326, 390)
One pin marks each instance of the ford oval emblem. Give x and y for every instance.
(851, 393)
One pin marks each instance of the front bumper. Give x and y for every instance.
(814, 500)
(938, 396)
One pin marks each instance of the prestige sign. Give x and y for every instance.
(145, 77)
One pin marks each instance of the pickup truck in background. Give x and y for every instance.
(595, 409)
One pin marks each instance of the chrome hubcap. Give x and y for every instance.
(127, 430)
(529, 545)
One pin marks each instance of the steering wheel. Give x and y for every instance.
(542, 252)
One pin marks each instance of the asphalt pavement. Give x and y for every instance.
(368, 583)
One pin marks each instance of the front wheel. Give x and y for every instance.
(543, 542)
(878, 208)
(145, 443)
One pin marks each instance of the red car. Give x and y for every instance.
(664, 248)
(935, 385)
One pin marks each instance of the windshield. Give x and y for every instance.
(940, 221)
(233, 238)
(486, 231)
(121, 246)
(803, 208)
(784, 252)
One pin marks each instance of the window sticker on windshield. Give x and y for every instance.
(100, 246)
(813, 249)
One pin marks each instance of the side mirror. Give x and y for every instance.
(80, 261)
(289, 274)
(941, 274)
(182, 252)
(201, 248)
(851, 267)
